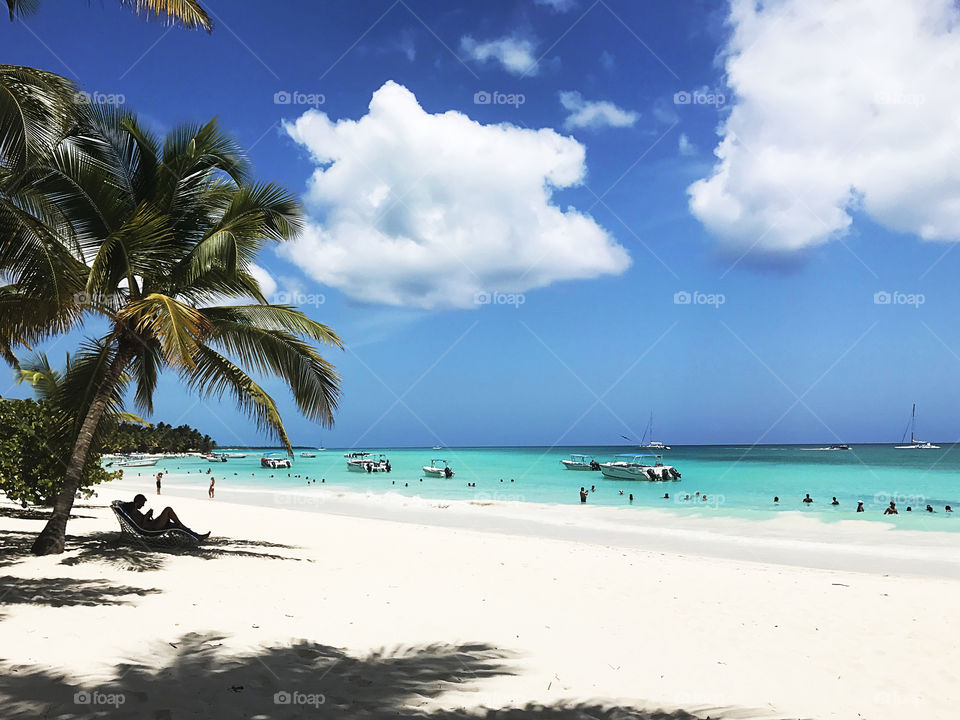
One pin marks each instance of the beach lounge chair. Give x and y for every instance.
(171, 537)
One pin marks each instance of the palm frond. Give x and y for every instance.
(179, 329)
(188, 13)
(215, 375)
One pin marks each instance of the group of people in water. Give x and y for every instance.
(891, 509)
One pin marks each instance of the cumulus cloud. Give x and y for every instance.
(430, 210)
(837, 107)
(594, 114)
(514, 54)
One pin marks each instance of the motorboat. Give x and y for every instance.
(437, 447)
(363, 462)
(139, 462)
(435, 470)
(274, 462)
(580, 462)
(308, 455)
(638, 466)
(234, 456)
(915, 442)
(215, 457)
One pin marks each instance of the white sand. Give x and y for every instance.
(352, 608)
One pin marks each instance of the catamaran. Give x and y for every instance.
(434, 470)
(646, 441)
(580, 462)
(638, 466)
(915, 442)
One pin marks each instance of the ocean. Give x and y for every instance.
(739, 481)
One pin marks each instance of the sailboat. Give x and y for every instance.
(647, 442)
(915, 442)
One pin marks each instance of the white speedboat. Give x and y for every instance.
(580, 462)
(364, 462)
(434, 470)
(139, 462)
(273, 462)
(437, 447)
(233, 456)
(215, 457)
(638, 467)
(308, 454)
(915, 442)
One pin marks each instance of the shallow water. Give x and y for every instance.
(738, 481)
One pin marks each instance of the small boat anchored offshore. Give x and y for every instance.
(915, 442)
(139, 462)
(434, 470)
(308, 455)
(362, 462)
(638, 467)
(580, 462)
(274, 461)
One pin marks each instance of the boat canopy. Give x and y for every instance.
(635, 457)
(581, 458)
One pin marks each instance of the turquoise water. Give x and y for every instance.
(738, 481)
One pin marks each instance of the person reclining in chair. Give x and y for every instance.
(166, 520)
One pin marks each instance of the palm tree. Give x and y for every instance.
(187, 12)
(164, 236)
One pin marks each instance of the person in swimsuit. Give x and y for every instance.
(159, 476)
(164, 521)
(808, 499)
(583, 495)
(210, 490)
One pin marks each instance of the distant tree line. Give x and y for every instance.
(128, 437)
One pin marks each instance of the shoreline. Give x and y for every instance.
(790, 538)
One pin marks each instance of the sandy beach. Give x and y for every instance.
(312, 613)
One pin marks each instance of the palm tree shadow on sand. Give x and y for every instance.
(193, 677)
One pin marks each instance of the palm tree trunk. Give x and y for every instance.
(53, 536)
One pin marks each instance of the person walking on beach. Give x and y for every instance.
(210, 490)
(583, 495)
(159, 476)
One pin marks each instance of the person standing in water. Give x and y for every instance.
(210, 490)
(159, 476)
(583, 495)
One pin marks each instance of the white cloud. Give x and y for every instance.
(837, 107)
(559, 5)
(428, 210)
(268, 286)
(686, 147)
(514, 54)
(594, 114)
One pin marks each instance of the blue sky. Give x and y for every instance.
(798, 350)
